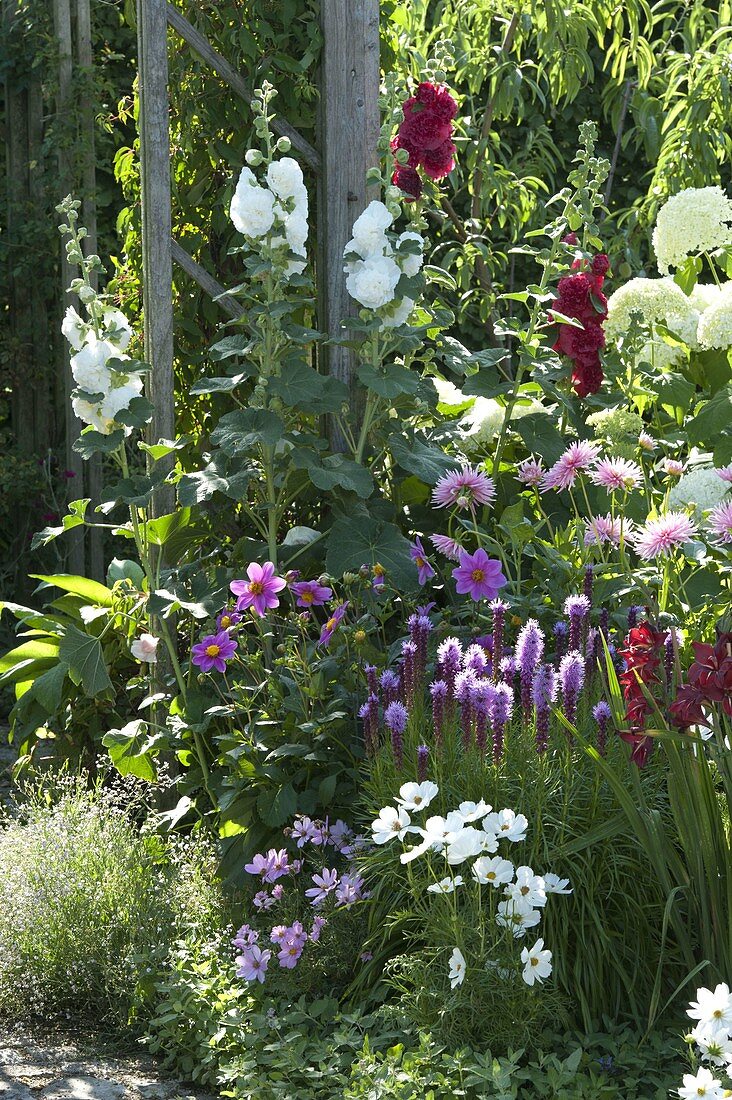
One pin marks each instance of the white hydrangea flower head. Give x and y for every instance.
(715, 323)
(410, 262)
(89, 366)
(483, 421)
(117, 329)
(658, 301)
(701, 487)
(397, 313)
(369, 230)
(252, 206)
(705, 295)
(695, 220)
(285, 179)
(374, 281)
(74, 328)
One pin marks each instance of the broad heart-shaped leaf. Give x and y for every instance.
(88, 589)
(277, 810)
(124, 569)
(48, 687)
(337, 470)
(389, 381)
(418, 458)
(164, 447)
(220, 385)
(714, 419)
(362, 540)
(540, 435)
(486, 383)
(75, 518)
(91, 443)
(42, 650)
(301, 387)
(674, 390)
(136, 490)
(238, 431)
(200, 485)
(231, 345)
(162, 529)
(129, 750)
(85, 659)
(138, 413)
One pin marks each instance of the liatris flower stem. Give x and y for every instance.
(409, 672)
(501, 711)
(369, 712)
(371, 679)
(422, 760)
(577, 608)
(464, 689)
(561, 633)
(588, 582)
(395, 719)
(498, 608)
(391, 686)
(544, 692)
(438, 691)
(601, 714)
(419, 631)
(605, 623)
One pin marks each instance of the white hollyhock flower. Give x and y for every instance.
(117, 329)
(417, 796)
(445, 885)
(528, 887)
(89, 366)
(390, 823)
(506, 825)
(468, 843)
(296, 231)
(537, 963)
(713, 1009)
(285, 178)
(457, 968)
(74, 328)
(473, 811)
(252, 206)
(398, 313)
(517, 915)
(493, 871)
(553, 884)
(410, 262)
(369, 230)
(702, 1083)
(145, 648)
(695, 220)
(374, 281)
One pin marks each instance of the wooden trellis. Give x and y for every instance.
(348, 133)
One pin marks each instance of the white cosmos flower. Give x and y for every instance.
(506, 825)
(445, 885)
(493, 871)
(553, 884)
(252, 206)
(468, 843)
(528, 887)
(702, 1083)
(374, 281)
(716, 1049)
(713, 1009)
(473, 811)
(285, 178)
(369, 230)
(409, 262)
(389, 824)
(517, 915)
(74, 328)
(537, 963)
(145, 648)
(437, 833)
(417, 796)
(457, 968)
(117, 329)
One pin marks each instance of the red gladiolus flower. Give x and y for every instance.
(643, 647)
(709, 681)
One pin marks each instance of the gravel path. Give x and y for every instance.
(62, 1067)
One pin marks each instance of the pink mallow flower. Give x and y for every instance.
(311, 594)
(463, 489)
(564, 472)
(478, 576)
(253, 963)
(213, 651)
(617, 475)
(719, 522)
(260, 591)
(419, 557)
(662, 535)
(325, 882)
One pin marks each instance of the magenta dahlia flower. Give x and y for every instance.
(564, 472)
(719, 522)
(662, 535)
(311, 594)
(213, 651)
(330, 627)
(725, 472)
(228, 619)
(419, 557)
(463, 488)
(530, 471)
(260, 591)
(617, 475)
(478, 576)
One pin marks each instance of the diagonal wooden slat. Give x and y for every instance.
(206, 281)
(219, 64)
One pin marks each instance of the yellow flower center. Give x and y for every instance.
(491, 875)
(379, 570)
(256, 588)
(212, 650)
(478, 575)
(419, 562)
(533, 961)
(306, 596)
(225, 621)
(331, 624)
(524, 889)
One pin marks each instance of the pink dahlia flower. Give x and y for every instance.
(419, 557)
(478, 576)
(617, 475)
(530, 471)
(260, 591)
(213, 651)
(577, 457)
(673, 467)
(447, 546)
(719, 521)
(725, 473)
(463, 488)
(664, 534)
(602, 529)
(646, 442)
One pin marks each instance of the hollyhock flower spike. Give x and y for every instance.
(417, 553)
(213, 651)
(463, 489)
(478, 575)
(260, 591)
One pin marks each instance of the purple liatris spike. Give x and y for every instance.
(369, 712)
(371, 679)
(464, 683)
(482, 694)
(476, 660)
(498, 609)
(605, 623)
(529, 651)
(449, 661)
(438, 691)
(587, 584)
(508, 669)
(395, 719)
(422, 759)
(544, 693)
(633, 612)
(390, 685)
(561, 633)
(571, 680)
(501, 711)
(601, 713)
(409, 671)
(419, 631)
(577, 609)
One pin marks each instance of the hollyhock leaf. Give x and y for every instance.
(194, 488)
(48, 687)
(440, 276)
(231, 345)
(89, 590)
(120, 569)
(304, 388)
(337, 470)
(541, 436)
(277, 810)
(164, 447)
(675, 391)
(90, 442)
(162, 529)
(238, 431)
(129, 750)
(389, 381)
(138, 413)
(361, 540)
(418, 458)
(136, 490)
(220, 385)
(713, 419)
(486, 383)
(85, 659)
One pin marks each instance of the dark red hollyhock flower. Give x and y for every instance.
(400, 142)
(570, 238)
(408, 179)
(580, 296)
(423, 128)
(580, 343)
(438, 163)
(426, 134)
(574, 294)
(587, 377)
(643, 646)
(600, 264)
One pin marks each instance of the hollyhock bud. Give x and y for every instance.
(600, 264)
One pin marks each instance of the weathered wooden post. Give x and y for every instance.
(348, 139)
(157, 264)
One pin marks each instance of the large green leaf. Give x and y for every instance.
(339, 471)
(713, 419)
(241, 430)
(301, 387)
(48, 687)
(362, 540)
(129, 750)
(28, 659)
(418, 458)
(85, 659)
(75, 518)
(540, 435)
(277, 810)
(162, 529)
(389, 381)
(88, 589)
